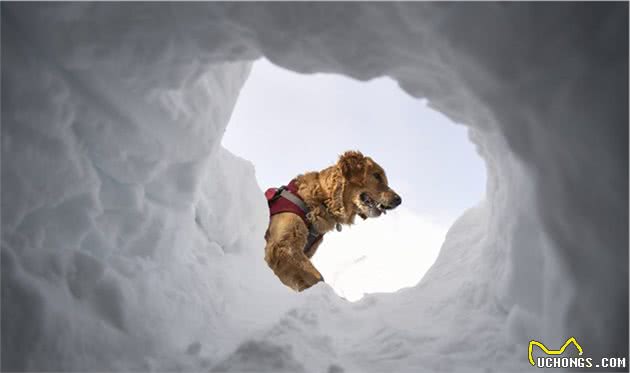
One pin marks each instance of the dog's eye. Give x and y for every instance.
(378, 177)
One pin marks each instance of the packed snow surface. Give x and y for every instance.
(132, 241)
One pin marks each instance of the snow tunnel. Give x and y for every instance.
(132, 240)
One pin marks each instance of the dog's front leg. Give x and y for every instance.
(286, 238)
(309, 274)
(291, 266)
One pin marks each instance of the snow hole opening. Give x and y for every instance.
(288, 124)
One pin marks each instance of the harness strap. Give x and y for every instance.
(313, 235)
(290, 193)
(295, 199)
(313, 238)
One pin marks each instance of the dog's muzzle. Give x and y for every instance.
(374, 208)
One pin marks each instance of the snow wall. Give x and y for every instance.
(131, 240)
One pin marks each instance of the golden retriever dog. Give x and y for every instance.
(355, 185)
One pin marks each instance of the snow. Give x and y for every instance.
(379, 255)
(132, 241)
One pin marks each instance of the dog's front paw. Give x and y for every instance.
(302, 285)
(305, 280)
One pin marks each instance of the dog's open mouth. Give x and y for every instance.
(372, 208)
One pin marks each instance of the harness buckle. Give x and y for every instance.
(278, 192)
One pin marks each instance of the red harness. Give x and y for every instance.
(287, 199)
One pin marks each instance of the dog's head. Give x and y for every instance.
(366, 188)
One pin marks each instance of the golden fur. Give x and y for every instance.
(334, 195)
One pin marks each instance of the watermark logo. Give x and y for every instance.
(533, 343)
(553, 360)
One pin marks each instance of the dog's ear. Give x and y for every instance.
(352, 166)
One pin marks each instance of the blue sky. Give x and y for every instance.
(287, 123)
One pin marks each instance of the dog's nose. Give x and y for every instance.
(396, 201)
